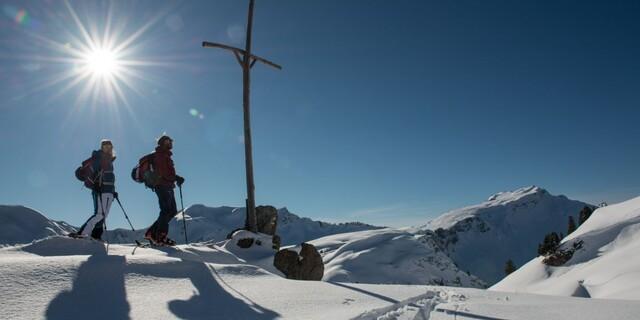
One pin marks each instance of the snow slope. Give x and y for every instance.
(215, 223)
(607, 265)
(392, 256)
(509, 225)
(20, 224)
(61, 278)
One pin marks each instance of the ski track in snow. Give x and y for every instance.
(418, 308)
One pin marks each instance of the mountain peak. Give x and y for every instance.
(517, 194)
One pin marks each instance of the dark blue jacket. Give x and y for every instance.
(103, 167)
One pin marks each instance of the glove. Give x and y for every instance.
(115, 195)
(179, 180)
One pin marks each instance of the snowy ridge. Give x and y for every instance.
(20, 224)
(517, 198)
(392, 256)
(215, 223)
(509, 225)
(606, 266)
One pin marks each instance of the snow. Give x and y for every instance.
(393, 256)
(370, 272)
(62, 278)
(607, 265)
(20, 224)
(215, 223)
(509, 225)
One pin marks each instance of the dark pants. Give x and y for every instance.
(168, 210)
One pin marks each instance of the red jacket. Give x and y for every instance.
(163, 166)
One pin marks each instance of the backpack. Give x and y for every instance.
(144, 172)
(85, 173)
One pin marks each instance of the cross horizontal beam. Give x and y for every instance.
(238, 51)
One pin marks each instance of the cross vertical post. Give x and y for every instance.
(246, 60)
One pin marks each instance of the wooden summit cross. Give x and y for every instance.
(246, 61)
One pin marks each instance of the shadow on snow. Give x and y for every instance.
(98, 291)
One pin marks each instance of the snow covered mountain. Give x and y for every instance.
(509, 225)
(392, 256)
(215, 223)
(606, 265)
(20, 224)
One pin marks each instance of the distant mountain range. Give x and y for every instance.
(20, 224)
(463, 247)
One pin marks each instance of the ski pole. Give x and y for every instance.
(125, 214)
(184, 222)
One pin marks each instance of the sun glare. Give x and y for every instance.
(104, 58)
(101, 62)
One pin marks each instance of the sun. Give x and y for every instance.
(101, 62)
(104, 60)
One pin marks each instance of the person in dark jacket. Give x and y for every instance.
(103, 193)
(164, 168)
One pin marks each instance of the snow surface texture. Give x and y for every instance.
(63, 278)
(607, 265)
(20, 224)
(392, 256)
(509, 225)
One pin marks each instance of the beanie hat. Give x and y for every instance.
(162, 139)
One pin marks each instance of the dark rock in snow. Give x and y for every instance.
(286, 261)
(245, 243)
(307, 265)
(267, 219)
(560, 256)
(312, 267)
(276, 242)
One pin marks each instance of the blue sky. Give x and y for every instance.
(387, 112)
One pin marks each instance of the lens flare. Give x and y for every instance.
(196, 114)
(22, 16)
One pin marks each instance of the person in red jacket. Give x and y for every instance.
(164, 168)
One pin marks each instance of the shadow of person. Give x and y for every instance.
(98, 291)
(211, 301)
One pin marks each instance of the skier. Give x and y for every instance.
(167, 178)
(103, 191)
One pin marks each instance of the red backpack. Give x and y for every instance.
(144, 171)
(85, 173)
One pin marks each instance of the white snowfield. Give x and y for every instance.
(607, 265)
(509, 225)
(393, 256)
(62, 278)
